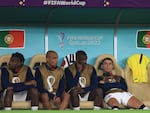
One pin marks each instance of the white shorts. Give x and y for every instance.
(18, 96)
(85, 98)
(122, 97)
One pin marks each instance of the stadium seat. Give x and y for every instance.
(4, 59)
(117, 69)
(36, 61)
(140, 89)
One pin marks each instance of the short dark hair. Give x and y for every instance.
(81, 55)
(50, 51)
(18, 55)
(107, 58)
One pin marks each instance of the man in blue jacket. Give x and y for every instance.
(17, 77)
(51, 83)
(115, 89)
(82, 82)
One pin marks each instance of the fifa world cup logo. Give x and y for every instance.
(50, 81)
(61, 37)
(82, 81)
(15, 80)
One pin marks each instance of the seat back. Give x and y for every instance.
(139, 89)
(36, 61)
(117, 69)
(4, 59)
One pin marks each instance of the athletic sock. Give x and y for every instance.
(115, 107)
(96, 108)
(76, 108)
(7, 108)
(34, 108)
(146, 108)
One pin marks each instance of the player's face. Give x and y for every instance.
(107, 66)
(81, 63)
(52, 59)
(14, 63)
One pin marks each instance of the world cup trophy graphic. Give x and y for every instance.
(61, 37)
(82, 81)
(15, 80)
(50, 81)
